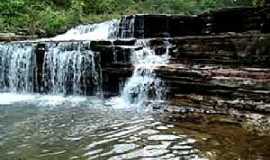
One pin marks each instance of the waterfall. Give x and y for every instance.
(70, 68)
(144, 84)
(127, 27)
(16, 67)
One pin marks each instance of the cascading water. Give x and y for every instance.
(100, 31)
(70, 68)
(16, 67)
(127, 27)
(144, 84)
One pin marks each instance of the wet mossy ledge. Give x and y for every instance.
(219, 63)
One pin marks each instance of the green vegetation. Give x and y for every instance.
(48, 17)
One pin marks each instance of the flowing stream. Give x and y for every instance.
(143, 84)
(16, 68)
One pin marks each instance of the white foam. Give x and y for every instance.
(54, 100)
(122, 148)
(99, 31)
(117, 103)
(39, 100)
(163, 138)
(11, 98)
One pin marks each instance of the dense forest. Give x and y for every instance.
(48, 17)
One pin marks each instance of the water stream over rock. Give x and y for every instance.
(144, 84)
(101, 31)
(70, 67)
(17, 63)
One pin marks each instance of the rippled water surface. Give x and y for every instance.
(68, 128)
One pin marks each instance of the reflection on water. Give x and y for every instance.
(69, 128)
(219, 138)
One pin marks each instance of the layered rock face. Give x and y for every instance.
(219, 61)
(237, 20)
(220, 72)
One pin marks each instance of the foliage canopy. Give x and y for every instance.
(52, 16)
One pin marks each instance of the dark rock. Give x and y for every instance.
(124, 42)
(235, 20)
(96, 44)
(40, 52)
(232, 20)
(229, 50)
(184, 25)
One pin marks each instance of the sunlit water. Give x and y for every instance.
(99, 31)
(55, 127)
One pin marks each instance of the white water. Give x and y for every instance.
(70, 69)
(144, 84)
(16, 71)
(101, 31)
(40, 100)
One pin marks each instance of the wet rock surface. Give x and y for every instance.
(237, 20)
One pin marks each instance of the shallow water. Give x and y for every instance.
(65, 128)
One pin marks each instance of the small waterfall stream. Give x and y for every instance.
(16, 67)
(127, 27)
(71, 69)
(144, 85)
